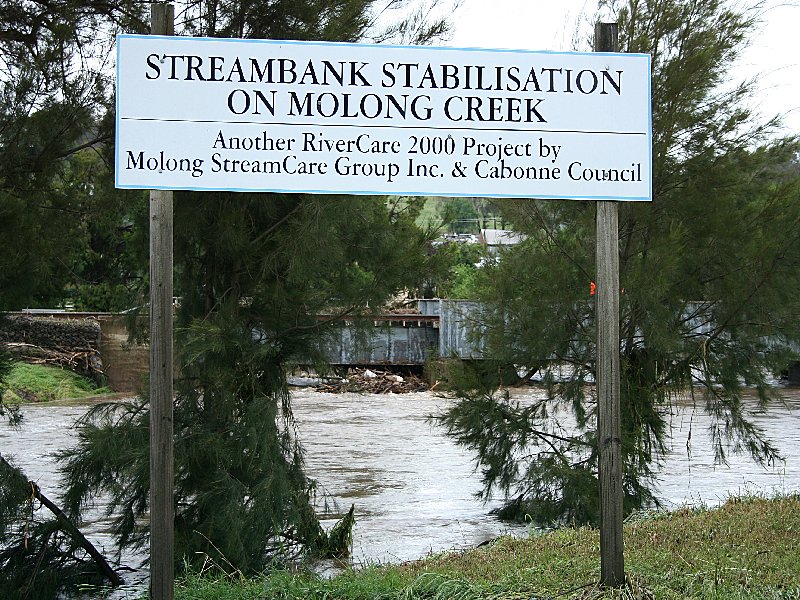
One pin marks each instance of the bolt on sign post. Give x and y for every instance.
(162, 527)
(612, 569)
(338, 118)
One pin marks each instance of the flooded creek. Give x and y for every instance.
(412, 487)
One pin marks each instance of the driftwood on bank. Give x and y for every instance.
(374, 381)
(85, 362)
(66, 343)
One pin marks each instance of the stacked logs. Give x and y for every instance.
(66, 343)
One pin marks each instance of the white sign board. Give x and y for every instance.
(257, 115)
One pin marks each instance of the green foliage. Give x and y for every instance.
(467, 215)
(339, 542)
(7, 412)
(109, 272)
(54, 90)
(459, 215)
(709, 273)
(464, 253)
(82, 241)
(559, 485)
(254, 289)
(28, 241)
(59, 214)
(457, 273)
(261, 277)
(464, 282)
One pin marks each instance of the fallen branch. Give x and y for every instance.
(17, 478)
(72, 530)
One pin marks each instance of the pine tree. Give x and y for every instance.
(262, 279)
(709, 273)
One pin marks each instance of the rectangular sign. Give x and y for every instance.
(258, 115)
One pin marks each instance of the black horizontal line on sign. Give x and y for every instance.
(363, 125)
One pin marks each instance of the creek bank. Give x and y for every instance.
(747, 548)
(38, 383)
(70, 343)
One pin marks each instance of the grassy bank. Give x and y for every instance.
(749, 548)
(40, 383)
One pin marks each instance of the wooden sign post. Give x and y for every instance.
(162, 535)
(612, 568)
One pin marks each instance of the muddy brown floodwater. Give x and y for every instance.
(413, 488)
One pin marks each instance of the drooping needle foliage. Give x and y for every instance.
(709, 275)
(261, 278)
(262, 281)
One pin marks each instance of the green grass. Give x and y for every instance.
(748, 548)
(40, 383)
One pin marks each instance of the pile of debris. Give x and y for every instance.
(67, 343)
(371, 381)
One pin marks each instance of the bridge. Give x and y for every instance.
(438, 328)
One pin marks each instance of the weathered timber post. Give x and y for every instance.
(162, 534)
(609, 437)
